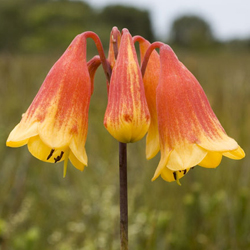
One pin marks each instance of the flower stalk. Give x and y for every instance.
(150, 49)
(98, 43)
(123, 196)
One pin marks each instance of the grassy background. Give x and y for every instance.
(39, 209)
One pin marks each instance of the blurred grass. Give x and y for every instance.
(41, 210)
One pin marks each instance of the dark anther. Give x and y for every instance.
(175, 176)
(184, 171)
(59, 157)
(51, 153)
(192, 168)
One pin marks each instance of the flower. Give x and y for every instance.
(151, 80)
(190, 133)
(55, 125)
(114, 45)
(127, 116)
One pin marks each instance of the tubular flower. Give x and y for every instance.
(55, 125)
(114, 44)
(150, 80)
(127, 116)
(190, 133)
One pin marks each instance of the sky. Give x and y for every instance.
(228, 19)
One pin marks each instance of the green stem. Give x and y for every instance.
(123, 196)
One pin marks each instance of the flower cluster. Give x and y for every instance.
(160, 98)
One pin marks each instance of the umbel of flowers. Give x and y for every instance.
(160, 98)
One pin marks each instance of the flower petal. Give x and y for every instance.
(185, 156)
(20, 135)
(221, 142)
(212, 160)
(76, 163)
(236, 154)
(152, 140)
(77, 147)
(44, 153)
(151, 80)
(162, 164)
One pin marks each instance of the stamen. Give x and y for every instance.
(65, 165)
(175, 176)
(50, 154)
(59, 157)
(184, 171)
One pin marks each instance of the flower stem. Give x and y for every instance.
(147, 55)
(98, 43)
(123, 196)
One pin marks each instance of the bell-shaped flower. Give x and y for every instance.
(151, 80)
(127, 116)
(55, 125)
(190, 133)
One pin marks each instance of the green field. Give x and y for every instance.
(42, 210)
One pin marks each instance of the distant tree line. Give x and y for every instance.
(46, 25)
(193, 32)
(49, 25)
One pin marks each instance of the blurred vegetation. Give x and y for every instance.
(135, 20)
(192, 32)
(49, 26)
(41, 210)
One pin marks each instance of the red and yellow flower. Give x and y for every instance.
(190, 133)
(55, 125)
(127, 117)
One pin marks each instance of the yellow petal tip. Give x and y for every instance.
(236, 154)
(154, 178)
